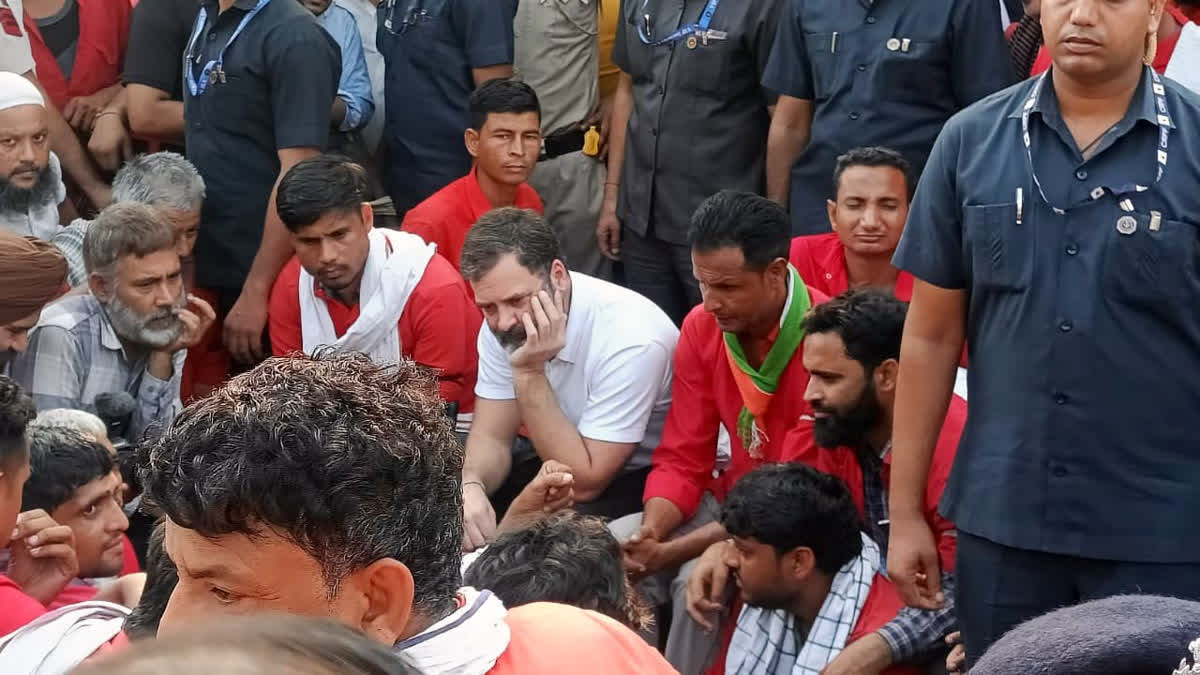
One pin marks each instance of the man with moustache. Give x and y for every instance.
(31, 186)
(130, 333)
(572, 368)
(32, 273)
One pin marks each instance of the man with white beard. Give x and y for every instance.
(130, 333)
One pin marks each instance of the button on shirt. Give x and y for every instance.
(281, 76)
(429, 49)
(612, 379)
(699, 121)
(881, 72)
(1085, 339)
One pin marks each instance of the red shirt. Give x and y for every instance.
(16, 608)
(841, 462)
(704, 397)
(882, 605)
(821, 261)
(438, 328)
(446, 216)
(99, 52)
(1166, 48)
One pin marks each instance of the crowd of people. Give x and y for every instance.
(453, 337)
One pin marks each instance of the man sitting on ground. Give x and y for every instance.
(871, 191)
(739, 386)
(852, 351)
(164, 180)
(254, 481)
(583, 365)
(33, 274)
(356, 287)
(130, 333)
(31, 185)
(505, 138)
(73, 478)
(812, 583)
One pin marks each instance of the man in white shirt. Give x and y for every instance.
(31, 186)
(583, 365)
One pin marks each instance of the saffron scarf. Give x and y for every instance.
(757, 386)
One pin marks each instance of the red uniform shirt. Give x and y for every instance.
(882, 605)
(99, 51)
(446, 216)
(704, 397)
(438, 328)
(821, 261)
(1166, 48)
(16, 608)
(841, 462)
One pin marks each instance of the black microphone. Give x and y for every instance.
(116, 410)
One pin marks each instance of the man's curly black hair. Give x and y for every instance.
(16, 412)
(352, 461)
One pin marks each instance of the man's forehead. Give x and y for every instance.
(234, 554)
(107, 484)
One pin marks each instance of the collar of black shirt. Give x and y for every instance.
(1141, 107)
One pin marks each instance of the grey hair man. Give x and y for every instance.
(165, 180)
(130, 333)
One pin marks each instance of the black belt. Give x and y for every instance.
(561, 143)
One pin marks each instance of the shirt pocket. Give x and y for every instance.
(1152, 267)
(822, 62)
(640, 54)
(705, 68)
(1000, 249)
(912, 75)
(421, 28)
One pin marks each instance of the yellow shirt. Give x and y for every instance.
(609, 73)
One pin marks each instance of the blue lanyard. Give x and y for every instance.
(213, 68)
(1164, 133)
(646, 29)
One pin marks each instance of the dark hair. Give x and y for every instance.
(787, 506)
(61, 461)
(16, 412)
(566, 558)
(124, 229)
(499, 232)
(502, 95)
(754, 224)
(873, 157)
(277, 644)
(317, 186)
(869, 321)
(161, 578)
(352, 461)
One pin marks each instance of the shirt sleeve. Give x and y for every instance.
(788, 69)
(682, 465)
(155, 43)
(51, 370)
(494, 380)
(355, 85)
(69, 241)
(623, 392)
(15, 54)
(763, 35)
(931, 247)
(485, 29)
(158, 400)
(303, 64)
(442, 324)
(283, 316)
(917, 633)
(988, 68)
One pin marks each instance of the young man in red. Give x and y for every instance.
(871, 195)
(354, 287)
(738, 387)
(505, 139)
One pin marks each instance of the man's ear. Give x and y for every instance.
(885, 376)
(799, 563)
(368, 215)
(471, 138)
(777, 269)
(831, 210)
(383, 598)
(100, 287)
(559, 276)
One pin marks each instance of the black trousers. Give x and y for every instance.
(622, 497)
(661, 271)
(1001, 587)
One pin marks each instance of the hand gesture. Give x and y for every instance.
(479, 519)
(705, 591)
(545, 332)
(43, 555)
(110, 143)
(608, 234)
(197, 316)
(80, 112)
(956, 660)
(244, 328)
(644, 554)
(912, 563)
(551, 490)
